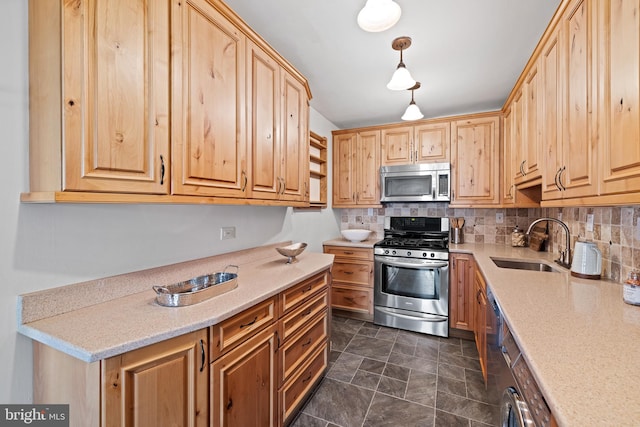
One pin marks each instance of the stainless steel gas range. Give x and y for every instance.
(411, 277)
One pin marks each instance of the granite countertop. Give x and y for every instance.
(92, 330)
(580, 339)
(341, 241)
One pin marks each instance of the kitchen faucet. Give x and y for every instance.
(565, 256)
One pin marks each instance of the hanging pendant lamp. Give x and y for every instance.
(379, 15)
(401, 79)
(413, 111)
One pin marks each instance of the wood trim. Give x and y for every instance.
(84, 197)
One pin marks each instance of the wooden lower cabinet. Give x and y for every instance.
(352, 286)
(461, 291)
(254, 369)
(164, 384)
(480, 319)
(243, 389)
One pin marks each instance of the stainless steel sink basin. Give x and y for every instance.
(519, 264)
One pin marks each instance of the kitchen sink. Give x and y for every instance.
(519, 264)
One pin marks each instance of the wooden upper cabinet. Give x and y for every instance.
(356, 164)
(578, 175)
(475, 161)
(518, 129)
(529, 143)
(507, 160)
(208, 124)
(277, 129)
(424, 143)
(99, 96)
(551, 119)
(619, 110)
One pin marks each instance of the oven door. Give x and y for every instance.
(420, 285)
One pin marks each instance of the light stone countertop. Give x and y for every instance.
(580, 339)
(104, 329)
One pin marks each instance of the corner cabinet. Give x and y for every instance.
(160, 102)
(356, 164)
(475, 161)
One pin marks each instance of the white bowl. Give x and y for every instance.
(355, 235)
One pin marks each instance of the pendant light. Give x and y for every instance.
(413, 111)
(401, 79)
(379, 15)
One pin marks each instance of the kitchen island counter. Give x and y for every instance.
(102, 318)
(581, 341)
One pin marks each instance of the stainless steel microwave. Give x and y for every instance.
(427, 182)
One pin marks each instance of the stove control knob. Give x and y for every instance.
(408, 253)
(433, 255)
(386, 251)
(424, 254)
(393, 252)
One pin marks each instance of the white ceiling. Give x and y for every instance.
(467, 54)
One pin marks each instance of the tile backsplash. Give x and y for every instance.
(615, 229)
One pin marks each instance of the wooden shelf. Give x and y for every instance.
(317, 170)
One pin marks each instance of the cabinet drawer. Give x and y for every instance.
(352, 298)
(357, 272)
(233, 331)
(295, 390)
(297, 319)
(297, 349)
(350, 252)
(296, 294)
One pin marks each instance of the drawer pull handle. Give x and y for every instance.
(348, 252)
(307, 289)
(307, 343)
(306, 313)
(348, 272)
(307, 379)
(244, 325)
(203, 355)
(229, 404)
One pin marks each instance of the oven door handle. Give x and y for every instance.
(423, 316)
(429, 265)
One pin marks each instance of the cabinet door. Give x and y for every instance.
(475, 161)
(397, 146)
(368, 168)
(432, 142)
(294, 156)
(462, 292)
(263, 84)
(116, 96)
(507, 160)
(480, 319)
(208, 105)
(344, 170)
(164, 384)
(620, 46)
(519, 123)
(578, 177)
(531, 166)
(551, 119)
(244, 383)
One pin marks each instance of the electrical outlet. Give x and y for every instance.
(499, 217)
(370, 212)
(560, 216)
(227, 233)
(590, 222)
(638, 229)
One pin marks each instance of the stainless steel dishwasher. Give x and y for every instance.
(522, 403)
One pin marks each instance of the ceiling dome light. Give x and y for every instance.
(379, 15)
(401, 79)
(413, 111)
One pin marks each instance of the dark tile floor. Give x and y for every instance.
(382, 376)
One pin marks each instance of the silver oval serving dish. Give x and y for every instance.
(197, 289)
